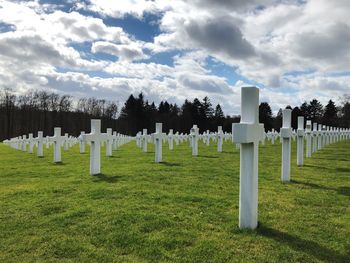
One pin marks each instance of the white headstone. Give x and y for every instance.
(194, 139)
(40, 141)
(144, 140)
(286, 133)
(57, 140)
(95, 138)
(158, 141)
(109, 142)
(171, 139)
(300, 142)
(308, 138)
(248, 133)
(81, 142)
(220, 139)
(30, 141)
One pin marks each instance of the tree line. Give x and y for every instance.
(40, 110)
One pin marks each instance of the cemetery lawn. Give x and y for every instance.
(182, 210)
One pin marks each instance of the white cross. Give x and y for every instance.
(109, 142)
(81, 142)
(65, 142)
(314, 137)
(95, 138)
(115, 140)
(30, 141)
(300, 142)
(219, 139)
(24, 143)
(248, 133)
(308, 138)
(40, 141)
(286, 133)
(57, 140)
(319, 137)
(171, 139)
(144, 140)
(158, 141)
(194, 140)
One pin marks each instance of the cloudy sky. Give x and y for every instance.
(294, 50)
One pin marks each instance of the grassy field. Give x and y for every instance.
(182, 210)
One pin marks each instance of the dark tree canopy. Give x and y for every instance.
(265, 115)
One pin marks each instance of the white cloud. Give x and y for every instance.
(128, 52)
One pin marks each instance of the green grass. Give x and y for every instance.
(182, 210)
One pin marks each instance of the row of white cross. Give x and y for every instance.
(247, 135)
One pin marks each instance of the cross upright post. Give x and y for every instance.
(319, 137)
(57, 140)
(286, 133)
(95, 138)
(40, 141)
(109, 142)
(158, 140)
(24, 143)
(81, 142)
(144, 140)
(314, 137)
(220, 139)
(194, 139)
(300, 141)
(308, 138)
(171, 139)
(248, 133)
(30, 141)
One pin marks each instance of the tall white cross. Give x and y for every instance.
(57, 140)
(40, 141)
(171, 139)
(144, 140)
(314, 137)
(115, 140)
(220, 139)
(30, 141)
(286, 133)
(308, 139)
(109, 142)
(158, 141)
(300, 142)
(24, 143)
(194, 139)
(248, 133)
(95, 138)
(319, 137)
(81, 142)
(65, 142)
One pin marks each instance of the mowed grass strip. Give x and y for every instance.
(182, 210)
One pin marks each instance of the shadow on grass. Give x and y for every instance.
(312, 185)
(344, 190)
(307, 246)
(113, 157)
(207, 156)
(106, 178)
(343, 170)
(316, 166)
(332, 159)
(59, 163)
(170, 164)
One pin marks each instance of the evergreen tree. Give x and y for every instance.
(296, 112)
(265, 115)
(315, 110)
(330, 116)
